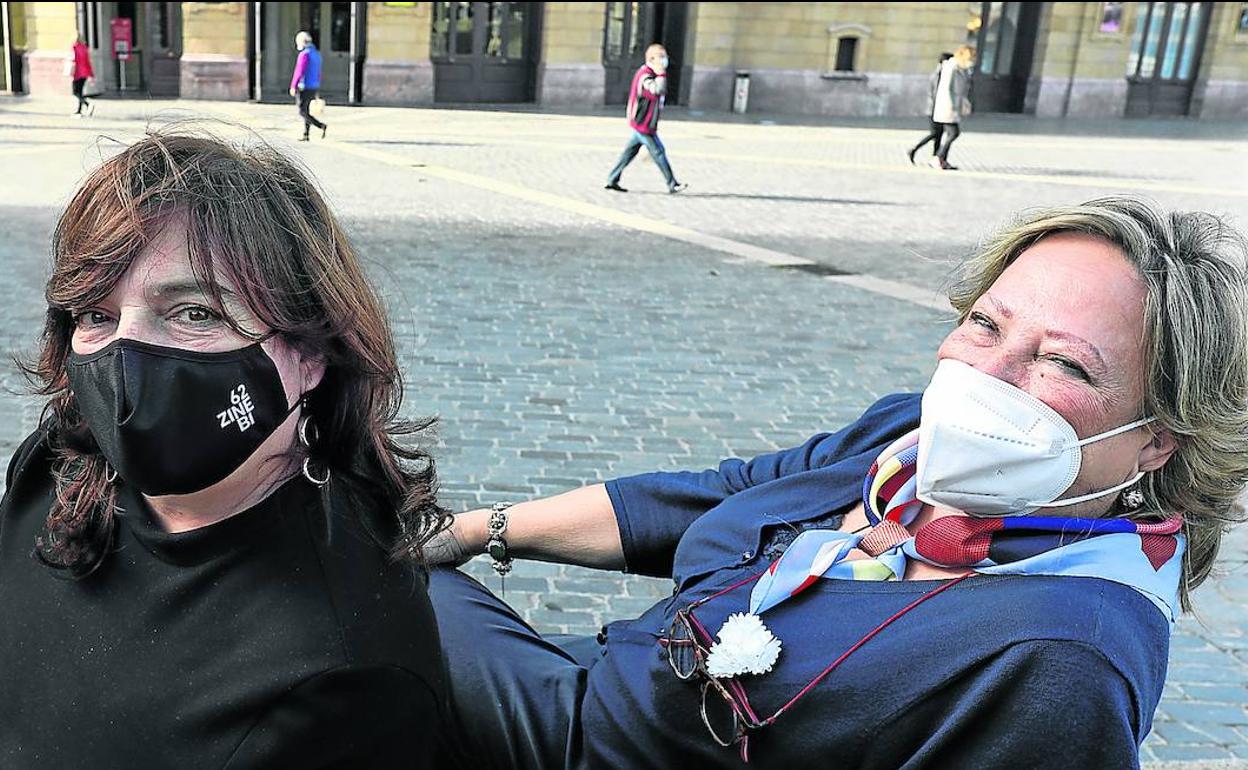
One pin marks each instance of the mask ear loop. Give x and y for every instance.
(1117, 487)
(1091, 496)
(1111, 433)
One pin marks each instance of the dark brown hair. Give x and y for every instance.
(255, 217)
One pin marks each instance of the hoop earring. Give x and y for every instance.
(110, 475)
(1132, 498)
(307, 473)
(308, 433)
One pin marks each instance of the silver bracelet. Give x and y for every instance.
(496, 546)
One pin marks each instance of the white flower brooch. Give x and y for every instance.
(745, 646)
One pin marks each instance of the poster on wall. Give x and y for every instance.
(1111, 17)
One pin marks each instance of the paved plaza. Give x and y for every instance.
(566, 334)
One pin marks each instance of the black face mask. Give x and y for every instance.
(173, 421)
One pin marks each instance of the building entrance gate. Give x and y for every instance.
(485, 52)
(337, 29)
(628, 29)
(1166, 45)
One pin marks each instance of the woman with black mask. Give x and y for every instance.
(225, 531)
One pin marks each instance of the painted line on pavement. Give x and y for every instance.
(900, 138)
(770, 257)
(895, 289)
(32, 149)
(1119, 184)
(1141, 185)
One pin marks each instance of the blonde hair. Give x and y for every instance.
(1195, 268)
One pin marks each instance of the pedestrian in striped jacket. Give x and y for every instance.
(645, 103)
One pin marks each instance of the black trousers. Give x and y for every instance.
(934, 132)
(79, 85)
(951, 133)
(306, 96)
(515, 695)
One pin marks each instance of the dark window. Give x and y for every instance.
(505, 34)
(615, 30)
(998, 25)
(314, 23)
(340, 27)
(514, 48)
(463, 28)
(161, 21)
(441, 28)
(1166, 41)
(845, 49)
(494, 29)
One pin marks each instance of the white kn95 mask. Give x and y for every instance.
(987, 448)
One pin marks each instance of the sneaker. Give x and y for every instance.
(946, 166)
(323, 130)
(303, 138)
(677, 188)
(615, 186)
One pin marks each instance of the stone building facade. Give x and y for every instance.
(1050, 59)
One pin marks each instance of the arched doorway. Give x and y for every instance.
(628, 29)
(485, 52)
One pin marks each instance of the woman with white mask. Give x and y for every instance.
(982, 575)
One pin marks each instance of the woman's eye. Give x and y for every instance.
(195, 314)
(979, 319)
(1071, 367)
(90, 319)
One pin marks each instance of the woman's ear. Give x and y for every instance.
(1157, 452)
(311, 371)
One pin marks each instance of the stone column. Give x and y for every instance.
(1222, 84)
(1079, 71)
(570, 72)
(397, 69)
(50, 30)
(712, 66)
(214, 51)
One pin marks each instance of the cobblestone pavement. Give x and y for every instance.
(566, 334)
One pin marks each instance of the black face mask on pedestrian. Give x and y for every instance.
(173, 421)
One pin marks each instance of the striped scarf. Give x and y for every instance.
(1145, 556)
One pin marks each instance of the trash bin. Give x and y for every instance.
(741, 93)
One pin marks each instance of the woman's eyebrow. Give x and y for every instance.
(1071, 339)
(1078, 342)
(999, 306)
(174, 290)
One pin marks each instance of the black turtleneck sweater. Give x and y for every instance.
(281, 637)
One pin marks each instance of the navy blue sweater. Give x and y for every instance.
(999, 671)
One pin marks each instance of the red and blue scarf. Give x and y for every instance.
(1146, 556)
